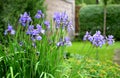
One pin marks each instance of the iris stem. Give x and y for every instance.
(97, 55)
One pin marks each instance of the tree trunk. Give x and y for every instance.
(104, 28)
(97, 1)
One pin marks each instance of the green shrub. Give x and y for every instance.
(92, 18)
(11, 9)
(113, 2)
(94, 1)
(85, 1)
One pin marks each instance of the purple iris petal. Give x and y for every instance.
(47, 24)
(39, 27)
(25, 19)
(61, 43)
(38, 37)
(30, 29)
(10, 27)
(110, 39)
(90, 38)
(12, 32)
(87, 36)
(69, 26)
(98, 39)
(66, 41)
(42, 31)
(35, 32)
(9, 30)
(39, 14)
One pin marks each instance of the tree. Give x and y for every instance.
(105, 11)
(97, 1)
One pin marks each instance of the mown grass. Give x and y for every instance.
(86, 49)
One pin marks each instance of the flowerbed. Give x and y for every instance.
(90, 68)
(34, 48)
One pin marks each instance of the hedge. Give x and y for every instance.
(91, 18)
(77, 2)
(11, 10)
(85, 1)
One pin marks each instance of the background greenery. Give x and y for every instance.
(77, 2)
(91, 19)
(85, 1)
(11, 10)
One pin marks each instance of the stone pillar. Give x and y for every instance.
(67, 6)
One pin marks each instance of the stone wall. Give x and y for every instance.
(67, 6)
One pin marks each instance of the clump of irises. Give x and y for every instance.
(35, 31)
(62, 21)
(98, 40)
(38, 44)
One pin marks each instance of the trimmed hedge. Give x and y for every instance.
(92, 19)
(85, 1)
(77, 2)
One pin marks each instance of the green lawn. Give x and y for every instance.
(85, 48)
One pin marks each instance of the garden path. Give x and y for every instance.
(117, 56)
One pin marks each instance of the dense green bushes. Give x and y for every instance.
(92, 17)
(85, 1)
(11, 9)
(94, 1)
